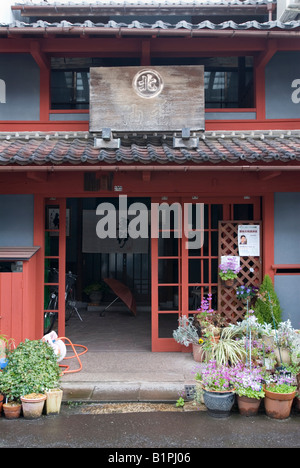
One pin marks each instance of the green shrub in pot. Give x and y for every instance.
(31, 368)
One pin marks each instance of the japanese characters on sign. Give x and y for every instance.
(249, 240)
(132, 99)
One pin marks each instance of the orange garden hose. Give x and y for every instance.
(76, 355)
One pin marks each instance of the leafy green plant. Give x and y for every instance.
(180, 402)
(278, 383)
(95, 287)
(267, 306)
(31, 368)
(228, 349)
(282, 388)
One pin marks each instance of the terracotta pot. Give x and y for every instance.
(33, 405)
(198, 353)
(218, 404)
(53, 401)
(248, 406)
(268, 340)
(298, 403)
(278, 405)
(1, 402)
(215, 338)
(284, 354)
(229, 282)
(12, 410)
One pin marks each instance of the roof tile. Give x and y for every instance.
(214, 149)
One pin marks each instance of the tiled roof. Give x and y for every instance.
(126, 5)
(214, 148)
(53, 8)
(145, 3)
(159, 28)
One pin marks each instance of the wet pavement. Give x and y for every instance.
(83, 426)
(119, 364)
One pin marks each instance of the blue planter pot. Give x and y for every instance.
(218, 404)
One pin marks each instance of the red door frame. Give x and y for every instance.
(169, 344)
(158, 344)
(61, 258)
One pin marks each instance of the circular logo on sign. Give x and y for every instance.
(147, 83)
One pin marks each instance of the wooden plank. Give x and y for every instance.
(133, 99)
(17, 253)
(5, 304)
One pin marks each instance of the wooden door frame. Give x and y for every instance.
(169, 344)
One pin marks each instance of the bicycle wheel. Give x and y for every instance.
(69, 304)
(50, 317)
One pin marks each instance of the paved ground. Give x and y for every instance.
(163, 433)
(119, 364)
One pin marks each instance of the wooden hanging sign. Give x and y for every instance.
(148, 99)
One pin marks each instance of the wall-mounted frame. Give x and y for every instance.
(53, 220)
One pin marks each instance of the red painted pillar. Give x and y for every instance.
(39, 272)
(268, 234)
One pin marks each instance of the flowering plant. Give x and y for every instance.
(208, 318)
(216, 378)
(280, 384)
(248, 382)
(229, 269)
(246, 292)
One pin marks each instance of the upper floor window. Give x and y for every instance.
(228, 81)
(228, 89)
(69, 89)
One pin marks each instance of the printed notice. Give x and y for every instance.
(249, 240)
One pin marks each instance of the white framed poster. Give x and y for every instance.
(249, 240)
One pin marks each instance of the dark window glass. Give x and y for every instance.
(243, 212)
(225, 89)
(69, 89)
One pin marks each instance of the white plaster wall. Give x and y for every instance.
(6, 15)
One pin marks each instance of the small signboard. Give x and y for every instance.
(148, 99)
(249, 240)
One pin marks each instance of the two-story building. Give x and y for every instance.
(137, 105)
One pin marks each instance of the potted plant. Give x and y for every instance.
(246, 293)
(208, 319)
(218, 389)
(279, 396)
(229, 349)
(248, 384)
(11, 403)
(228, 271)
(284, 336)
(95, 292)
(187, 334)
(33, 404)
(32, 368)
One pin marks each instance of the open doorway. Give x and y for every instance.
(108, 323)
